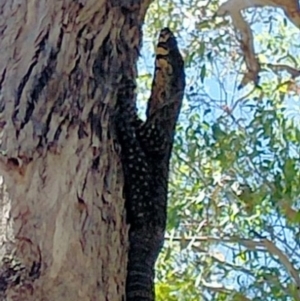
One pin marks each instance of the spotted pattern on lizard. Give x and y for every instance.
(146, 148)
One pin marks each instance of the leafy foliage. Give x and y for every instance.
(233, 221)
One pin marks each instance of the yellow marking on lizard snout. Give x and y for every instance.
(162, 63)
(164, 36)
(161, 51)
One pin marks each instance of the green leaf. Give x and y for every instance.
(203, 73)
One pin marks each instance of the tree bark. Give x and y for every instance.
(63, 232)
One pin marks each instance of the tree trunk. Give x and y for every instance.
(63, 227)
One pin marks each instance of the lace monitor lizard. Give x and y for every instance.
(145, 154)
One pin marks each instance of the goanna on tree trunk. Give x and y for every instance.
(146, 149)
(67, 69)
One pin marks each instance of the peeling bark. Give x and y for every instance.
(63, 232)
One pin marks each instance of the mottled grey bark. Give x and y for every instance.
(63, 232)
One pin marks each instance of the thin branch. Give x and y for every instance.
(233, 8)
(262, 245)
